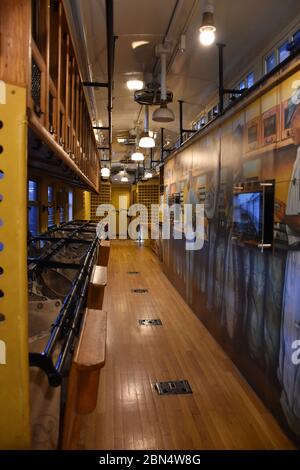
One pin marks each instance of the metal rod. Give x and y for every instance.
(56, 264)
(95, 84)
(162, 138)
(110, 40)
(100, 128)
(221, 76)
(181, 120)
(66, 240)
(167, 30)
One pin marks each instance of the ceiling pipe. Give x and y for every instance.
(163, 114)
(73, 10)
(176, 5)
(146, 141)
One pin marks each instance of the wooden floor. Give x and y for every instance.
(222, 413)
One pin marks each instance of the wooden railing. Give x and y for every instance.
(58, 109)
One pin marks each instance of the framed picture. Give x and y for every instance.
(270, 126)
(253, 134)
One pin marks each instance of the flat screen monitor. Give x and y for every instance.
(253, 214)
(248, 214)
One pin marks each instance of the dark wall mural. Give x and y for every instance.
(245, 282)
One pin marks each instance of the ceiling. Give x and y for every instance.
(246, 27)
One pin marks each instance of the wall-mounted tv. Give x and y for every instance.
(247, 214)
(253, 214)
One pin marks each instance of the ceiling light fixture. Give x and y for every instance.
(146, 141)
(105, 172)
(121, 140)
(135, 85)
(124, 179)
(137, 156)
(163, 114)
(207, 31)
(136, 44)
(148, 175)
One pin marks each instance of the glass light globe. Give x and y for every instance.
(207, 35)
(135, 85)
(137, 157)
(147, 142)
(105, 172)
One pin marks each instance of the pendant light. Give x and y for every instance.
(124, 178)
(137, 156)
(146, 141)
(135, 85)
(148, 175)
(105, 172)
(207, 31)
(163, 114)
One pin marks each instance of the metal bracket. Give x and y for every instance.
(45, 363)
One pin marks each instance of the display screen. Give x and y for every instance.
(248, 214)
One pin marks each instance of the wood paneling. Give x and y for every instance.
(14, 41)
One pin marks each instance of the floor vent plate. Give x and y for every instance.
(139, 291)
(155, 322)
(133, 273)
(180, 387)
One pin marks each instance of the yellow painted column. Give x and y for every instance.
(78, 204)
(87, 205)
(14, 365)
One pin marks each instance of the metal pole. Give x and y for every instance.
(110, 63)
(181, 120)
(162, 137)
(221, 77)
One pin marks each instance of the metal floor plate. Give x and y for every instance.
(155, 322)
(179, 387)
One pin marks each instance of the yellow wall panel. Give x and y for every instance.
(14, 366)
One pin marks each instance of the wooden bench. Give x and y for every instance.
(88, 359)
(103, 254)
(96, 288)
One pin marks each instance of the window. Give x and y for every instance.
(51, 208)
(203, 121)
(270, 62)
(242, 85)
(70, 205)
(61, 215)
(210, 115)
(33, 209)
(250, 80)
(215, 110)
(296, 38)
(283, 51)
